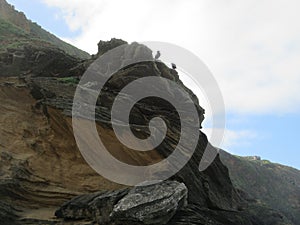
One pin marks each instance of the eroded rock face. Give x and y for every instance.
(40, 166)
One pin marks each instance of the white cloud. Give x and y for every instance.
(234, 138)
(231, 138)
(251, 46)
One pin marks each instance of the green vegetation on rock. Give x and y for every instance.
(69, 80)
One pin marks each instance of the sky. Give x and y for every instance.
(252, 47)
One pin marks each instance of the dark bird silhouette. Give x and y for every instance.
(157, 55)
(173, 66)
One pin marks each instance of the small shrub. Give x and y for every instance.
(69, 80)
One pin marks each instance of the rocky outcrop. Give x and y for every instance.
(211, 189)
(96, 207)
(38, 61)
(41, 166)
(150, 204)
(104, 46)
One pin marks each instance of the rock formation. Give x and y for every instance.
(41, 168)
(151, 204)
(211, 195)
(104, 46)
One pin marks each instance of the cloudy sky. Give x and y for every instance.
(252, 48)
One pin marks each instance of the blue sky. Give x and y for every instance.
(48, 17)
(275, 138)
(251, 47)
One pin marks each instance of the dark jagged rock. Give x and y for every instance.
(95, 206)
(77, 208)
(104, 46)
(38, 61)
(7, 214)
(152, 204)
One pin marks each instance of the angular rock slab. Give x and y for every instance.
(151, 204)
(95, 206)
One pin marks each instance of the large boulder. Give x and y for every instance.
(152, 204)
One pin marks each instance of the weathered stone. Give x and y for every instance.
(152, 204)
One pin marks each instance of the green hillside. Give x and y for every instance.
(16, 30)
(275, 185)
(9, 30)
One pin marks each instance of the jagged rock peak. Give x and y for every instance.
(104, 46)
(129, 51)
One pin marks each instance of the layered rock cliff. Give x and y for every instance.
(42, 167)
